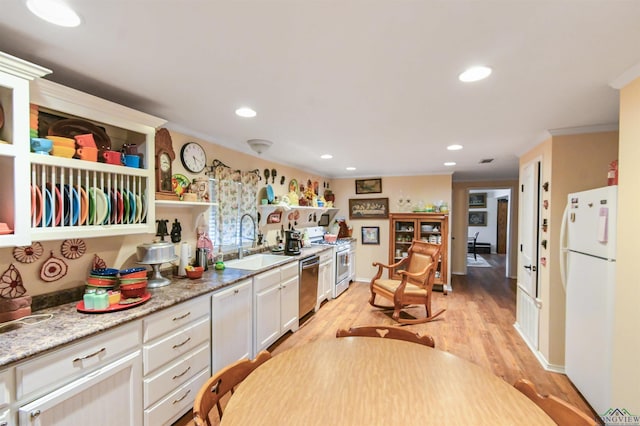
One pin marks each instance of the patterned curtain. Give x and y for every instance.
(249, 202)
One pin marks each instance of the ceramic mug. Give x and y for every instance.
(130, 148)
(87, 153)
(112, 157)
(62, 141)
(85, 140)
(131, 160)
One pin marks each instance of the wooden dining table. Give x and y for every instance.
(376, 381)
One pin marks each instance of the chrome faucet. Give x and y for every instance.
(240, 237)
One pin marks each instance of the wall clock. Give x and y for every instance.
(164, 157)
(193, 157)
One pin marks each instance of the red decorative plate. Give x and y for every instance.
(112, 308)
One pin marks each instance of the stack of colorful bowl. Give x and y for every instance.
(100, 292)
(63, 147)
(133, 282)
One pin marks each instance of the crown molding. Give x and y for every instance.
(21, 68)
(597, 128)
(626, 77)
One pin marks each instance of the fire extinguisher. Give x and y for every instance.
(612, 174)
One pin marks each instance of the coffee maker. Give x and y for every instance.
(293, 242)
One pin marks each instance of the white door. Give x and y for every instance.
(289, 305)
(529, 214)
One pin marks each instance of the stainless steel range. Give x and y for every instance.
(342, 255)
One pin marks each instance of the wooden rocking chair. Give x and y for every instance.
(415, 285)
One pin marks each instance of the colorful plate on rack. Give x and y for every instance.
(132, 207)
(56, 205)
(138, 209)
(47, 212)
(120, 206)
(113, 216)
(143, 217)
(84, 205)
(125, 200)
(98, 206)
(71, 205)
(36, 206)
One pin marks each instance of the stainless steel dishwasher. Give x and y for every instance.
(308, 273)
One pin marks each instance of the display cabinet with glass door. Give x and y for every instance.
(429, 227)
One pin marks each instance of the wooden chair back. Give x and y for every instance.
(220, 384)
(389, 332)
(561, 412)
(420, 255)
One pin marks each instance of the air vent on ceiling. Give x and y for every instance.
(486, 160)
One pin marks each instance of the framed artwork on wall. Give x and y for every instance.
(370, 235)
(368, 208)
(478, 218)
(478, 200)
(368, 186)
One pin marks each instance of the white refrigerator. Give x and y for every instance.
(590, 282)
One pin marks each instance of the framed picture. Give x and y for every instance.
(478, 218)
(368, 208)
(478, 200)
(370, 235)
(368, 186)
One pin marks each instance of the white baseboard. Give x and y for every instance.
(539, 356)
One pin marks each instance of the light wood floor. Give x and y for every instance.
(477, 326)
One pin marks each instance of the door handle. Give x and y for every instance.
(531, 267)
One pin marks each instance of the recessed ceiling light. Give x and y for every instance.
(245, 112)
(351, 168)
(475, 74)
(326, 156)
(450, 163)
(55, 12)
(454, 147)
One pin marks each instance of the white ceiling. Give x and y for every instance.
(373, 82)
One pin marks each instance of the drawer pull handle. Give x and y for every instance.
(182, 374)
(236, 291)
(4, 424)
(35, 413)
(181, 316)
(181, 344)
(90, 355)
(175, 401)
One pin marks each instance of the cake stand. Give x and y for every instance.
(157, 280)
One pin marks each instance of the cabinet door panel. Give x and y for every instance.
(231, 325)
(109, 396)
(267, 317)
(289, 305)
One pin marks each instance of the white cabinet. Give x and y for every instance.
(123, 196)
(231, 325)
(14, 147)
(325, 277)
(6, 388)
(275, 304)
(109, 396)
(176, 359)
(84, 381)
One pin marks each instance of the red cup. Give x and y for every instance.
(112, 157)
(85, 140)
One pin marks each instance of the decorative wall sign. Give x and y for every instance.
(368, 208)
(368, 186)
(28, 254)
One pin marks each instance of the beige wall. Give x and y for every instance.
(626, 337)
(417, 188)
(570, 163)
(458, 225)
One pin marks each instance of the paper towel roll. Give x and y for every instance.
(185, 257)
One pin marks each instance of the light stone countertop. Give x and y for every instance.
(67, 325)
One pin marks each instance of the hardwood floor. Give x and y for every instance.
(477, 326)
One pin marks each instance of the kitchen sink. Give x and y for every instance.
(256, 261)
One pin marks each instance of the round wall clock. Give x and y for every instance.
(193, 157)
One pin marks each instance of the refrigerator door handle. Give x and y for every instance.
(563, 247)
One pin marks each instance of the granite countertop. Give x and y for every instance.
(67, 325)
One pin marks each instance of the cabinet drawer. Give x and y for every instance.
(175, 344)
(4, 417)
(266, 280)
(172, 318)
(5, 387)
(176, 403)
(78, 359)
(167, 379)
(326, 256)
(289, 271)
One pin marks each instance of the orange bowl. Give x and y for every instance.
(100, 282)
(133, 290)
(195, 273)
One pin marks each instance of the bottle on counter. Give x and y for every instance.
(101, 300)
(88, 297)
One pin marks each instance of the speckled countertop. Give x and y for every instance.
(68, 325)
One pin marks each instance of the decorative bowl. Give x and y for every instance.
(133, 273)
(195, 273)
(330, 238)
(105, 272)
(99, 282)
(63, 151)
(128, 291)
(125, 281)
